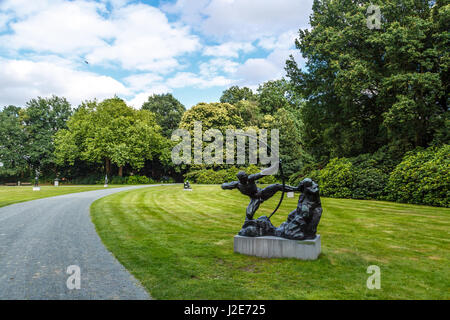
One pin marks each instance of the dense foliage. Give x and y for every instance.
(423, 178)
(364, 88)
(110, 132)
(209, 176)
(168, 111)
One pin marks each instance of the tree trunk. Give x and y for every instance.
(120, 171)
(108, 166)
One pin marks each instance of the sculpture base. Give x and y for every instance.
(105, 186)
(275, 247)
(36, 188)
(187, 189)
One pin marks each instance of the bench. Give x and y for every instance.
(11, 184)
(25, 183)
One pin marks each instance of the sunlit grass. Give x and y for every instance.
(10, 195)
(180, 246)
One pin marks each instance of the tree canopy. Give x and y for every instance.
(110, 132)
(365, 88)
(168, 111)
(235, 94)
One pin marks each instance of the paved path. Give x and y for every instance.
(39, 239)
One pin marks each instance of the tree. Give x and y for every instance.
(113, 133)
(12, 142)
(219, 116)
(290, 144)
(41, 119)
(235, 94)
(367, 88)
(168, 111)
(250, 112)
(273, 95)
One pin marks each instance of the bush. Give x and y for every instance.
(422, 177)
(139, 180)
(308, 171)
(119, 180)
(209, 176)
(369, 183)
(91, 179)
(336, 179)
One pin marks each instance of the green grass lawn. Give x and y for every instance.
(10, 195)
(180, 246)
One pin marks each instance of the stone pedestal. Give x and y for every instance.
(275, 247)
(36, 188)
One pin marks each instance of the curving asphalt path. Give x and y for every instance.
(39, 239)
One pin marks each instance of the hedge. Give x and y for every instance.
(210, 176)
(422, 178)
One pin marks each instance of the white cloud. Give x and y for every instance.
(189, 79)
(255, 71)
(142, 97)
(143, 81)
(228, 49)
(216, 66)
(272, 25)
(24, 8)
(44, 44)
(243, 20)
(22, 80)
(135, 36)
(145, 40)
(4, 19)
(59, 27)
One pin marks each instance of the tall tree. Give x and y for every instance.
(41, 119)
(168, 111)
(369, 87)
(290, 145)
(235, 94)
(273, 95)
(113, 133)
(219, 116)
(12, 142)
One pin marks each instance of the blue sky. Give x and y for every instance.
(193, 49)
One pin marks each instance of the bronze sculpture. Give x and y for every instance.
(301, 223)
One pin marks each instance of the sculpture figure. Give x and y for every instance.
(246, 184)
(301, 223)
(36, 178)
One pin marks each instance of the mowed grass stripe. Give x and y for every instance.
(11, 195)
(180, 246)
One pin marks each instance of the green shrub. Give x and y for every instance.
(140, 180)
(91, 179)
(308, 171)
(119, 180)
(422, 177)
(336, 179)
(369, 183)
(209, 176)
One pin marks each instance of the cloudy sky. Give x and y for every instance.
(192, 48)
